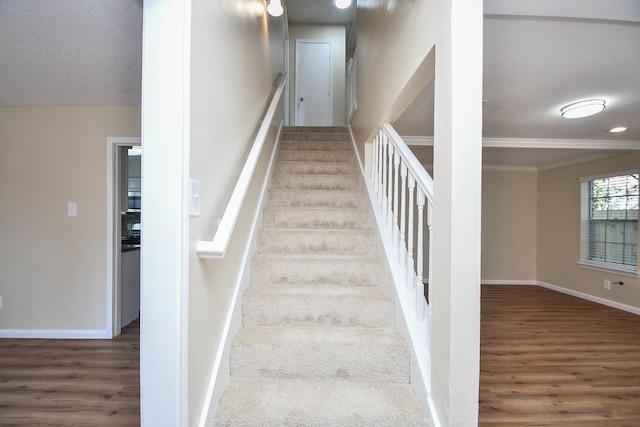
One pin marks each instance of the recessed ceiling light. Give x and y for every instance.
(582, 108)
(343, 4)
(618, 129)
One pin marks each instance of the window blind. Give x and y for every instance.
(609, 221)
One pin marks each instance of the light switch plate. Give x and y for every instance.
(72, 209)
(194, 197)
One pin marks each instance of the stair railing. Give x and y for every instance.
(217, 247)
(402, 191)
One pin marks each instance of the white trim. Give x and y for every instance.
(592, 298)
(582, 144)
(577, 294)
(509, 282)
(220, 373)
(112, 325)
(63, 334)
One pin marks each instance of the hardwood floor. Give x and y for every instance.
(71, 382)
(549, 359)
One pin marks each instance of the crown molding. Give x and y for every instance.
(575, 144)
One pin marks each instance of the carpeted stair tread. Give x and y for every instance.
(315, 136)
(316, 269)
(317, 218)
(315, 168)
(315, 156)
(322, 129)
(319, 404)
(315, 182)
(315, 145)
(358, 354)
(284, 197)
(315, 306)
(308, 241)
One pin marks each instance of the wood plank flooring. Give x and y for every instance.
(549, 359)
(71, 382)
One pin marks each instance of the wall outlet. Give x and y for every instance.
(607, 285)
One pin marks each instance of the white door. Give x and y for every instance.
(313, 88)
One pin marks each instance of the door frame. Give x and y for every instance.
(113, 328)
(296, 86)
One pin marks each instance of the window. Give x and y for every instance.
(609, 215)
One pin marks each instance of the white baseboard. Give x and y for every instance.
(62, 334)
(603, 301)
(510, 282)
(577, 294)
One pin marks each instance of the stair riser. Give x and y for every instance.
(316, 129)
(319, 182)
(321, 311)
(315, 136)
(317, 218)
(316, 156)
(317, 199)
(328, 242)
(316, 272)
(365, 362)
(315, 168)
(315, 145)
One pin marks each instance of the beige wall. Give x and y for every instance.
(53, 267)
(559, 231)
(509, 201)
(393, 42)
(235, 59)
(337, 35)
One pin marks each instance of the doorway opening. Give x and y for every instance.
(124, 159)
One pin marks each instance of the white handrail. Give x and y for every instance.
(423, 179)
(217, 247)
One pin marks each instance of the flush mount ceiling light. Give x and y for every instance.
(274, 7)
(618, 129)
(582, 108)
(342, 4)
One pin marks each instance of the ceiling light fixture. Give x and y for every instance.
(342, 4)
(618, 129)
(275, 8)
(582, 108)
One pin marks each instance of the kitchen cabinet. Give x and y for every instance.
(129, 286)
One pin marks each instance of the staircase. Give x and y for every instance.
(318, 345)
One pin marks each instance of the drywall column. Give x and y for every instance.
(165, 140)
(457, 188)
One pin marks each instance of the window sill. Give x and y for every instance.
(630, 272)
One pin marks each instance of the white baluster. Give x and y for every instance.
(374, 164)
(389, 213)
(410, 266)
(430, 226)
(420, 257)
(403, 211)
(383, 168)
(396, 189)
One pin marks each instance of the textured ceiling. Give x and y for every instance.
(71, 52)
(537, 58)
